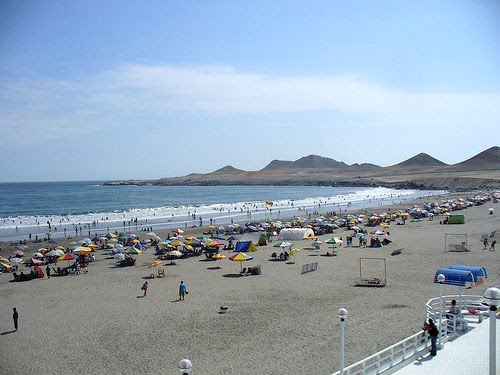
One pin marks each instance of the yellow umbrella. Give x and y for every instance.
(82, 250)
(218, 257)
(293, 252)
(154, 264)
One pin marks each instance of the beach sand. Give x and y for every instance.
(280, 322)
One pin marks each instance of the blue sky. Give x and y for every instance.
(93, 90)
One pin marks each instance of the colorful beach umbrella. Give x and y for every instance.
(174, 253)
(240, 257)
(154, 264)
(67, 256)
(134, 250)
(293, 252)
(178, 231)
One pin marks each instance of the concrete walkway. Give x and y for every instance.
(467, 354)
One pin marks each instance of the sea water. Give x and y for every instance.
(88, 207)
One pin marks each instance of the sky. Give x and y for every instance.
(104, 90)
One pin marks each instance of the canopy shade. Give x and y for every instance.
(479, 273)
(455, 277)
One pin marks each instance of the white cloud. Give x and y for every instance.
(42, 108)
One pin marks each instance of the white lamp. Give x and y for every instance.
(440, 278)
(185, 366)
(342, 314)
(492, 297)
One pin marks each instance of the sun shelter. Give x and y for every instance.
(295, 233)
(480, 274)
(245, 246)
(456, 277)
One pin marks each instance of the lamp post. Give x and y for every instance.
(492, 297)
(185, 366)
(342, 314)
(440, 278)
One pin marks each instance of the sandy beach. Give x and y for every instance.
(280, 322)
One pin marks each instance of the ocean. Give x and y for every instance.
(89, 207)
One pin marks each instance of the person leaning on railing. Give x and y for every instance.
(433, 333)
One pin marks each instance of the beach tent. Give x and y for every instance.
(257, 238)
(456, 219)
(295, 233)
(245, 246)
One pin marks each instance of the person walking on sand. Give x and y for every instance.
(145, 288)
(492, 247)
(47, 271)
(182, 291)
(433, 333)
(485, 243)
(15, 316)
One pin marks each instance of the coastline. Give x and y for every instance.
(68, 226)
(280, 321)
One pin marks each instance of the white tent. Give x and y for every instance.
(295, 233)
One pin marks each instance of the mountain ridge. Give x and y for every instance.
(421, 171)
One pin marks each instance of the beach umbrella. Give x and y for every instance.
(176, 243)
(38, 255)
(134, 250)
(82, 250)
(32, 262)
(21, 247)
(211, 227)
(56, 252)
(293, 252)
(283, 244)
(154, 264)
(119, 256)
(174, 253)
(333, 241)
(93, 246)
(5, 265)
(215, 243)
(217, 237)
(154, 236)
(86, 241)
(317, 244)
(240, 257)
(378, 233)
(232, 238)
(16, 260)
(19, 253)
(218, 257)
(140, 246)
(67, 256)
(178, 231)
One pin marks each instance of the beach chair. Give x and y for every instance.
(161, 273)
(274, 256)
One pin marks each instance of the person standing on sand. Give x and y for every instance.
(15, 316)
(492, 247)
(47, 271)
(145, 288)
(182, 291)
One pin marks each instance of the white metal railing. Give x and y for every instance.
(403, 352)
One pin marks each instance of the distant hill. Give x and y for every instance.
(490, 156)
(306, 162)
(419, 172)
(228, 169)
(421, 160)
